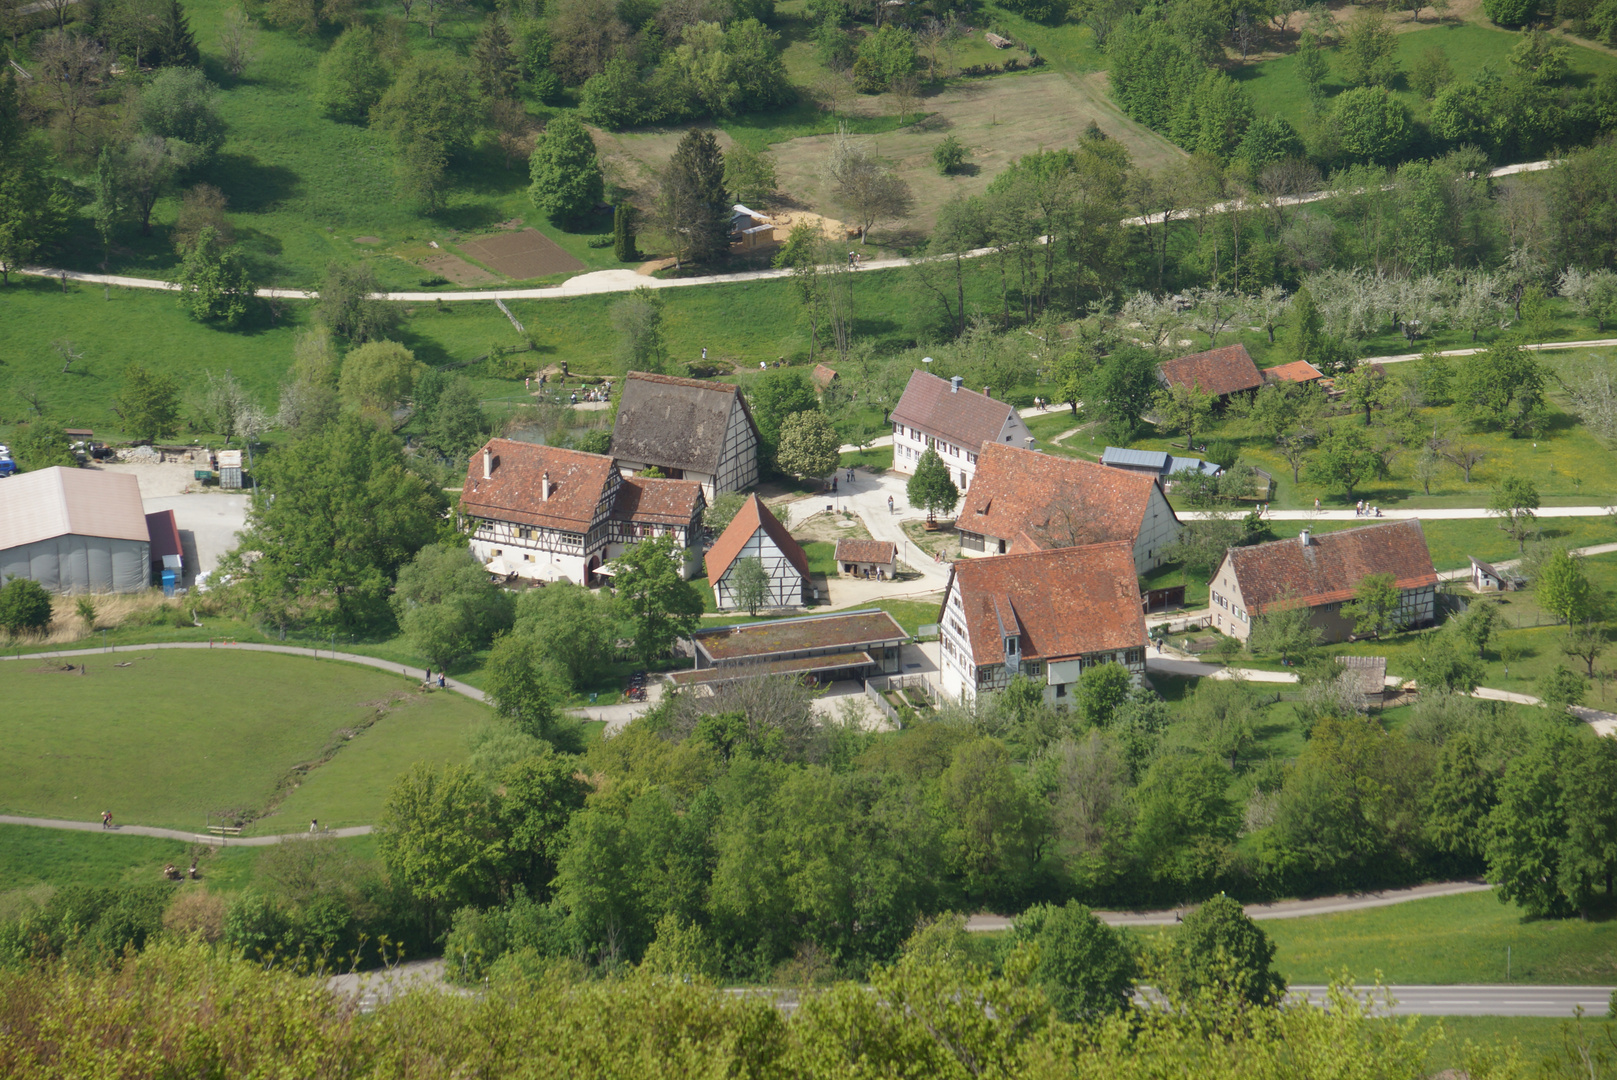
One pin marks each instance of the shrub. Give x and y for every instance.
(196, 913)
(949, 155)
(25, 606)
(1510, 12)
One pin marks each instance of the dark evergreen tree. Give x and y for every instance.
(623, 245)
(494, 55)
(176, 44)
(693, 204)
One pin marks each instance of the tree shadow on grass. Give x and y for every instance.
(253, 185)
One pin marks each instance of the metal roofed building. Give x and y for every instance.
(1158, 463)
(844, 645)
(75, 531)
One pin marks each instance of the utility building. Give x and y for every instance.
(75, 531)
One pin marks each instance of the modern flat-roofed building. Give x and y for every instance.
(843, 645)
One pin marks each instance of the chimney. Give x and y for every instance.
(1304, 539)
(954, 383)
(987, 392)
(488, 463)
(1029, 441)
(544, 487)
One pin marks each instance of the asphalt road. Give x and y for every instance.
(1550, 1001)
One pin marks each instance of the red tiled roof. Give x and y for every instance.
(658, 502)
(1056, 502)
(1329, 568)
(866, 551)
(1298, 371)
(964, 417)
(1218, 371)
(514, 492)
(752, 516)
(824, 375)
(673, 423)
(1062, 603)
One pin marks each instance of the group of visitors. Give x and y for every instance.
(1365, 510)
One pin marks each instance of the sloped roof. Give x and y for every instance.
(658, 502)
(165, 534)
(1145, 459)
(1062, 603)
(70, 502)
(1368, 673)
(674, 423)
(1217, 371)
(752, 516)
(824, 375)
(514, 491)
(1298, 371)
(844, 629)
(1053, 501)
(1329, 567)
(870, 551)
(962, 416)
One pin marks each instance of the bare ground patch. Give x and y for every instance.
(526, 253)
(457, 270)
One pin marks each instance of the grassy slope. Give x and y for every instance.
(30, 857)
(181, 735)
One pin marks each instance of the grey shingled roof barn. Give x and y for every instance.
(674, 423)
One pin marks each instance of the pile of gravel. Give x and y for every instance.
(138, 455)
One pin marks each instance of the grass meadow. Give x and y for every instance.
(179, 737)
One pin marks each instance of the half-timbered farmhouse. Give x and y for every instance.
(546, 513)
(1322, 572)
(755, 533)
(1047, 615)
(942, 415)
(687, 429)
(1027, 501)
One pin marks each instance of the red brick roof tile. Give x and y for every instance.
(1063, 603)
(1329, 568)
(658, 502)
(963, 417)
(752, 516)
(1055, 501)
(514, 491)
(866, 551)
(1298, 371)
(1218, 371)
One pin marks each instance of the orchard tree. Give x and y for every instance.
(1085, 967)
(1560, 687)
(353, 76)
(148, 404)
(931, 487)
(213, 281)
(379, 375)
(351, 304)
(1502, 388)
(808, 445)
(1564, 590)
(655, 600)
(750, 584)
(1185, 409)
(565, 173)
(1374, 607)
(778, 394)
(433, 113)
(1345, 460)
(1514, 501)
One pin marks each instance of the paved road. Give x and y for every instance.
(291, 650)
(1445, 513)
(1280, 909)
(175, 834)
(1511, 1000)
(611, 281)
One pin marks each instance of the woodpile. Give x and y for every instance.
(998, 42)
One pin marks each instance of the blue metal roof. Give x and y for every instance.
(1148, 459)
(1180, 464)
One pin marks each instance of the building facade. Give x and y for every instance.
(546, 513)
(1027, 501)
(876, 559)
(75, 531)
(942, 415)
(1047, 615)
(687, 429)
(1322, 573)
(755, 533)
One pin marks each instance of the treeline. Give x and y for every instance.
(182, 1010)
(1169, 72)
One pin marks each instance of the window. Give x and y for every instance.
(1033, 668)
(1061, 689)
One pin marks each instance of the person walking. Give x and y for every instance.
(889, 504)
(704, 352)
(314, 824)
(106, 819)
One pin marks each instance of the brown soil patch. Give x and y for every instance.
(646, 269)
(457, 270)
(830, 527)
(527, 253)
(367, 239)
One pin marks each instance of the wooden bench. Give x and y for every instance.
(225, 830)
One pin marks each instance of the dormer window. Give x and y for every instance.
(1012, 647)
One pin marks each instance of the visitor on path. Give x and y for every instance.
(428, 678)
(440, 680)
(314, 824)
(106, 819)
(575, 397)
(889, 504)
(1316, 506)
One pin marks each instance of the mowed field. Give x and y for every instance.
(178, 736)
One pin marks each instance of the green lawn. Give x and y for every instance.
(31, 857)
(1450, 939)
(178, 736)
(1274, 88)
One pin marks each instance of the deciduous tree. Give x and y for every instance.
(1184, 409)
(750, 584)
(1515, 501)
(379, 375)
(213, 281)
(148, 404)
(353, 75)
(658, 604)
(809, 446)
(931, 486)
(566, 176)
(1374, 607)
